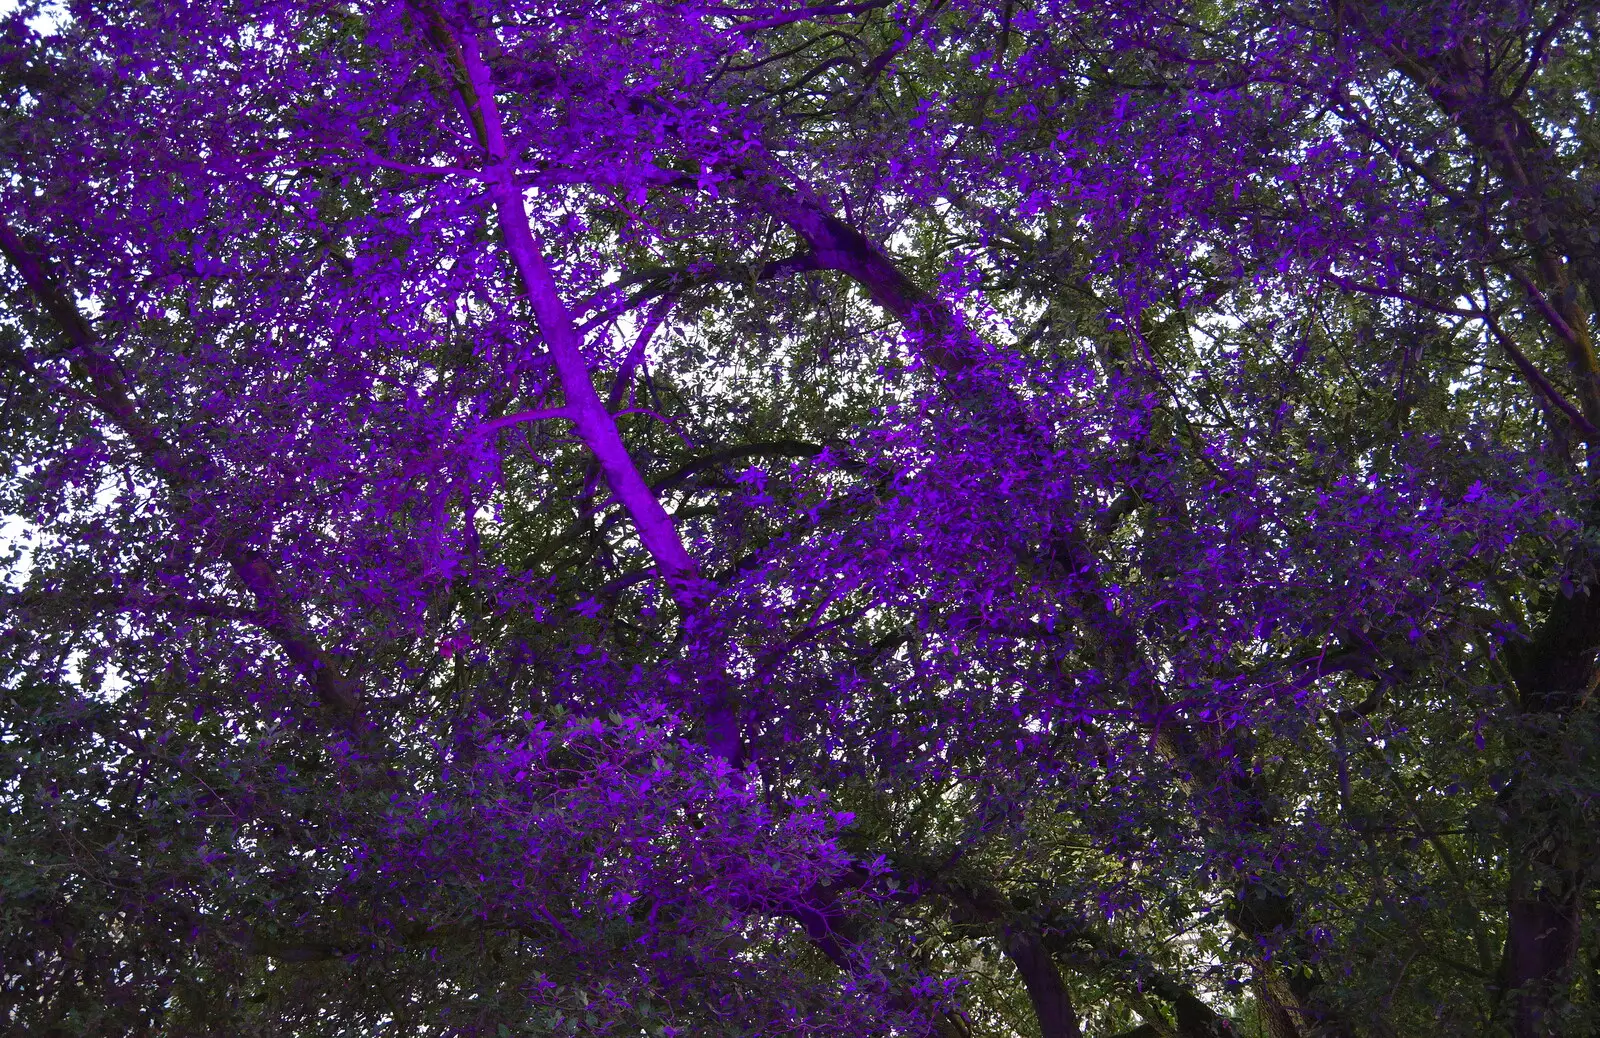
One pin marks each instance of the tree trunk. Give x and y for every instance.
(1052, 1003)
(1550, 850)
(1541, 947)
(1544, 908)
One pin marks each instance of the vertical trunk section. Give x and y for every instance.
(1542, 938)
(1550, 851)
(1052, 1003)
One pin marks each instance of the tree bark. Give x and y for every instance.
(1552, 867)
(1052, 1003)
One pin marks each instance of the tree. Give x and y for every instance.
(669, 518)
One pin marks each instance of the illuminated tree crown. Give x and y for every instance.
(953, 518)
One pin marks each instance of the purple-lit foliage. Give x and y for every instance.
(876, 518)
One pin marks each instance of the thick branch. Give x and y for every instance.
(1025, 947)
(584, 408)
(1052, 1004)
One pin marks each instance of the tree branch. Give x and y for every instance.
(595, 424)
(337, 693)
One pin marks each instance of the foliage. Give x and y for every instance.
(1037, 518)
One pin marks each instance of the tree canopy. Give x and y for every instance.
(901, 517)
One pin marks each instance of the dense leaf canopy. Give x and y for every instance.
(949, 517)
